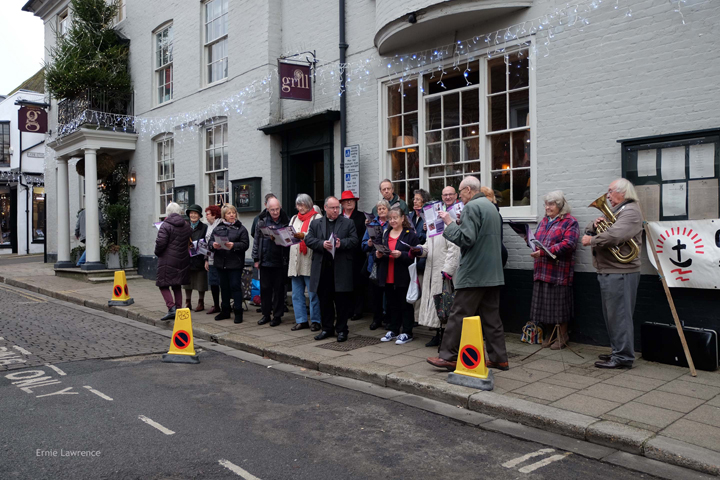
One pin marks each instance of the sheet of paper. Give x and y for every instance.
(157, 225)
(332, 240)
(647, 163)
(702, 161)
(375, 233)
(202, 247)
(542, 247)
(284, 236)
(531, 238)
(674, 201)
(223, 242)
(649, 201)
(435, 225)
(703, 199)
(369, 216)
(672, 163)
(382, 249)
(455, 211)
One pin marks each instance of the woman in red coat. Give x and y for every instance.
(172, 250)
(552, 301)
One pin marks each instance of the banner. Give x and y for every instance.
(689, 252)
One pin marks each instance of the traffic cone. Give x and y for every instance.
(182, 348)
(121, 294)
(471, 370)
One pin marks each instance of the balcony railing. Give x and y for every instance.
(101, 109)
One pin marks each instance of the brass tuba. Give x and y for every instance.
(601, 204)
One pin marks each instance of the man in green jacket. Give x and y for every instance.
(479, 278)
(388, 193)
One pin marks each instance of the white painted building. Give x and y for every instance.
(530, 95)
(22, 194)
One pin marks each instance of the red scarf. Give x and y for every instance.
(305, 218)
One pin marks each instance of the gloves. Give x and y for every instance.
(446, 276)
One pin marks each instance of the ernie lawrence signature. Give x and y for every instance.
(67, 453)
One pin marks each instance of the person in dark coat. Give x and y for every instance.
(171, 248)
(229, 260)
(349, 207)
(377, 293)
(273, 261)
(393, 274)
(198, 274)
(331, 277)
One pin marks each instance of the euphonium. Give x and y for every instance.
(601, 204)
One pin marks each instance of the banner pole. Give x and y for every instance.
(651, 244)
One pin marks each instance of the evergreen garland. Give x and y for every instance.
(91, 54)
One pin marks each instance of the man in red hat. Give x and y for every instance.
(350, 210)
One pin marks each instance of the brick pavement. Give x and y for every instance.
(651, 402)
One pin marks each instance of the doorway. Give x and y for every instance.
(13, 220)
(307, 174)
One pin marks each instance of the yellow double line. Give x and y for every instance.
(22, 294)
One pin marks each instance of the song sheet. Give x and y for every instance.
(455, 211)
(223, 241)
(703, 199)
(283, 236)
(332, 241)
(435, 225)
(702, 160)
(649, 201)
(647, 163)
(672, 161)
(674, 199)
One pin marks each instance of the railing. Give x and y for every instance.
(97, 108)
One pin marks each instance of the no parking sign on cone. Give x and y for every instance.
(182, 347)
(471, 370)
(121, 293)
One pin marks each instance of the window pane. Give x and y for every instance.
(451, 133)
(454, 182)
(412, 186)
(518, 70)
(496, 75)
(454, 169)
(433, 114)
(521, 149)
(452, 152)
(209, 161)
(434, 154)
(413, 164)
(225, 158)
(410, 129)
(497, 120)
(398, 166)
(519, 109)
(501, 185)
(521, 187)
(472, 168)
(432, 137)
(410, 97)
(500, 151)
(470, 131)
(471, 149)
(394, 132)
(400, 190)
(470, 107)
(394, 100)
(436, 187)
(436, 171)
(451, 110)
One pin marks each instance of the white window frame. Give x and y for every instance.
(121, 12)
(212, 126)
(208, 44)
(517, 213)
(63, 23)
(161, 68)
(161, 144)
(407, 146)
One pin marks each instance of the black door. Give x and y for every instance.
(13, 220)
(307, 176)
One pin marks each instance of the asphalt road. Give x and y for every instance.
(136, 417)
(13, 259)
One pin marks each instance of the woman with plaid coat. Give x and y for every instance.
(552, 301)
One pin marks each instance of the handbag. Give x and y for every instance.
(374, 273)
(532, 333)
(444, 301)
(414, 288)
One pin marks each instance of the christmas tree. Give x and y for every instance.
(91, 55)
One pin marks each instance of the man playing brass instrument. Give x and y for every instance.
(618, 270)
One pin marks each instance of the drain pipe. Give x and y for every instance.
(343, 96)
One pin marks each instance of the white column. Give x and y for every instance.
(92, 221)
(63, 219)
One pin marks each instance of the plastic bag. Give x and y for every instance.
(414, 288)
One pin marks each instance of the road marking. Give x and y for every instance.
(517, 461)
(60, 372)
(542, 463)
(59, 392)
(22, 350)
(153, 423)
(235, 469)
(16, 292)
(99, 394)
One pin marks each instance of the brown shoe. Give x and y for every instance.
(188, 304)
(214, 309)
(200, 306)
(441, 363)
(299, 326)
(315, 327)
(498, 365)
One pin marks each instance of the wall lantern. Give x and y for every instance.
(132, 178)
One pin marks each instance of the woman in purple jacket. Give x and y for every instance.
(552, 300)
(172, 250)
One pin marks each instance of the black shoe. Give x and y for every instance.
(342, 336)
(611, 364)
(605, 358)
(238, 316)
(169, 316)
(275, 321)
(386, 325)
(264, 320)
(314, 327)
(323, 335)
(224, 315)
(258, 310)
(374, 325)
(434, 341)
(357, 316)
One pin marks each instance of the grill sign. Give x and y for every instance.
(32, 119)
(295, 81)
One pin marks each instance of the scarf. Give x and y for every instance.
(305, 218)
(194, 225)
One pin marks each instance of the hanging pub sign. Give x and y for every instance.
(294, 81)
(32, 119)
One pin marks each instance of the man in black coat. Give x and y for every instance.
(332, 277)
(350, 210)
(272, 260)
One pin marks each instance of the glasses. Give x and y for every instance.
(461, 190)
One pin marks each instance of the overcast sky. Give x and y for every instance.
(21, 44)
